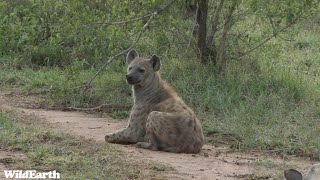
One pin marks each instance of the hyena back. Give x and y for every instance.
(159, 120)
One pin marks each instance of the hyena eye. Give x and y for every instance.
(130, 68)
(141, 70)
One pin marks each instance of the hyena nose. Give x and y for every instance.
(129, 78)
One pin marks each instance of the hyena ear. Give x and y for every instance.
(132, 54)
(155, 61)
(292, 174)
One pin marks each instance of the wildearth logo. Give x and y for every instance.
(31, 174)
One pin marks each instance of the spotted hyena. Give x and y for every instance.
(160, 120)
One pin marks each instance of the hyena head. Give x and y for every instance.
(141, 71)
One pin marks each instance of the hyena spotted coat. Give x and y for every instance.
(159, 120)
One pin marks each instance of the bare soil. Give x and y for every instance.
(6, 158)
(213, 162)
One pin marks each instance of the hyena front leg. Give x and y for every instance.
(131, 134)
(120, 137)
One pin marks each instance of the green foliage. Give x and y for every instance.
(268, 100)
(252, 23)
(56, 33)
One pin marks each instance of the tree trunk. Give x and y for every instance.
(202, 33)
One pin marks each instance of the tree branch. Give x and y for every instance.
(144, 28)
(194, 25)
(274, 34)
(226, 28)
(88, 84)
(215, 23)
(202, 16)
(126, 21)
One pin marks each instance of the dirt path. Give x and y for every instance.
(211, 163)
(7, 157)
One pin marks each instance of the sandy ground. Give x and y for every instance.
(211, 163)
(7, 157)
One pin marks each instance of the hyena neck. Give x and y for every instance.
(155, 92)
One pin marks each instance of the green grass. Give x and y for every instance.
(253, 106)
(267, 101)
(267, 109)
(74, 158)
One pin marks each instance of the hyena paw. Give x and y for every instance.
(140, 145)
(146, 145)
(108, 138)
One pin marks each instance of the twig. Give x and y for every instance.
(275, 30)
(145, 27)
(123, 107)
(215, 23)
(269, 38)
(285, 39)
(126, 21)
(88, 84)
(226, 28)
(194, 25)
